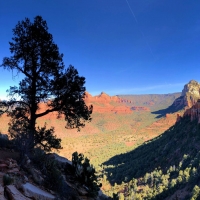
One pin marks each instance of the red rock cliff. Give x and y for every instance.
(194, 111)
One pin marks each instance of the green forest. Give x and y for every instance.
(168, 165)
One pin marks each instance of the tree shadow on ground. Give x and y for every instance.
(161, 152)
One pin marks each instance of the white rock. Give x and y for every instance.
(193, 88)
(36, 193)
(14, 194)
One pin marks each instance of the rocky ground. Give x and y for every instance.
(17, 183)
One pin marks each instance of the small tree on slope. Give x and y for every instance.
(37, 57)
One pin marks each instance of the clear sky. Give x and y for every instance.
(120, 46)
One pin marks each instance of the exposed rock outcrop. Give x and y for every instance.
(192, 88)
(194, 111)
(24, 187)
(9, 166)
(34, 192)
(14, 194)
(190, 94)
(102, 98)
(103, 103)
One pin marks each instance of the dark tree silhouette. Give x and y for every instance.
(37, 57)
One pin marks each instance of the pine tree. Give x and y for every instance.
(45, 80)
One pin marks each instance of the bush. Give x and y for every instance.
(49, 168)
(7, 180)
(195, 192)
(53, 178)
(86, 173)
(38, 156)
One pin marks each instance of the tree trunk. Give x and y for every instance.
(33, 109)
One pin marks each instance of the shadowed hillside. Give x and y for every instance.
(175, 107)
(160, 167)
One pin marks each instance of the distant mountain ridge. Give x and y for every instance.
(187, 98)
(104, 103)
(130, 103)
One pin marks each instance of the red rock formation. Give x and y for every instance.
(102, 98)
(88, 95)
(189, 96)
(194, 111)
(103, 103)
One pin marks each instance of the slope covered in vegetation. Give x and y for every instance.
(167, 167)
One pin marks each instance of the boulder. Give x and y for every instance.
(62, 161)
(14, 194)
(36, 193)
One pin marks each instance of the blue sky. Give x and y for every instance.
(120, 46)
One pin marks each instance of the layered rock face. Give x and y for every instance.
(191, 93)
(104, 103)
(189, 96)
(193, 88)
(102, 98)
(194, 111)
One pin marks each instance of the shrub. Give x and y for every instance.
(38, 156)
(53, 178)
(7, 180)
(195, 192)
(86, 173)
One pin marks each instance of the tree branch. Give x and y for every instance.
(46, 112)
